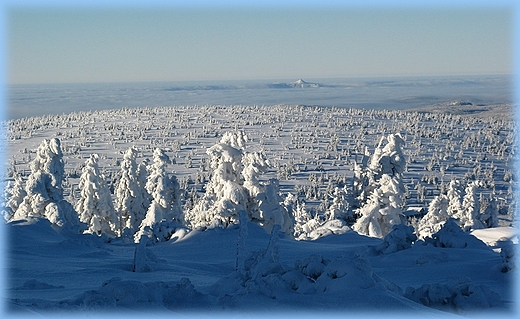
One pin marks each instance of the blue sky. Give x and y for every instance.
(99, 43)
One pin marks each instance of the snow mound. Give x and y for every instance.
(452, 236)
(456, 295)
(315, 274)
(138, 295)
(401, 237)
(331, 227)
(493, 236)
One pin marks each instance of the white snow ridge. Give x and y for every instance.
(291, 210)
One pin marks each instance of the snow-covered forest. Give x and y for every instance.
(288, 206)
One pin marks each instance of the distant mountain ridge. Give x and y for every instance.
(300, 83)
(461, 107)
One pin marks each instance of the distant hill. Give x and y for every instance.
(298, 84)
(459, 107)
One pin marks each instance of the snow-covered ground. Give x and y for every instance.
(244, 267)
(51, 273)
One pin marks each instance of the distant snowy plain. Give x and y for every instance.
(53, 272)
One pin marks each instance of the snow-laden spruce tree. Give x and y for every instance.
(225, 195)
(142, 176)
(489, 213)
(13, 196)
(435, 218)
(340, 207)
(163, 216)
(264, 202)
(386, 160)
(383, 209)
(95, 207)
(454, 199)
(470, 219)
(130, 204)
(235, 186)
(44, 190)
(389, 159)
(304, 222)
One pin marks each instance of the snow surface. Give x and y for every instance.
(198, 273)
(52, 271)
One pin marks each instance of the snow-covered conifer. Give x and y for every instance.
(340, 207)
(14, 194)
(454, 198)
(142, 176)
(435, 218)
(225, 195)
(389, 159)
(95, 207)
(163, 209)
(235, 186)
(44, 190)
(470, 219)
(129, 202)
(304, 222)
(383, 209)
(489, 216)
(267, 209)
(386, 160)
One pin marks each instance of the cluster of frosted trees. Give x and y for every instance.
(146, 200)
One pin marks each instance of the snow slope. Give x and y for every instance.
(75, 273)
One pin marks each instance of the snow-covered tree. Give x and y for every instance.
(163, 216)
(470, 219)
(95, 207)
(267, 209)
(383, 209)
(44, 190)
(454, 197)
(389, 159)
(235, 186)
(340, 207)
(435, 218)
(129, 202)
(14, 194)
(489, 213)
(225, 195)
(142, 176)
(304, 222)
(386, 160)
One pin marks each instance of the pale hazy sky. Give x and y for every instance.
(154, 43)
